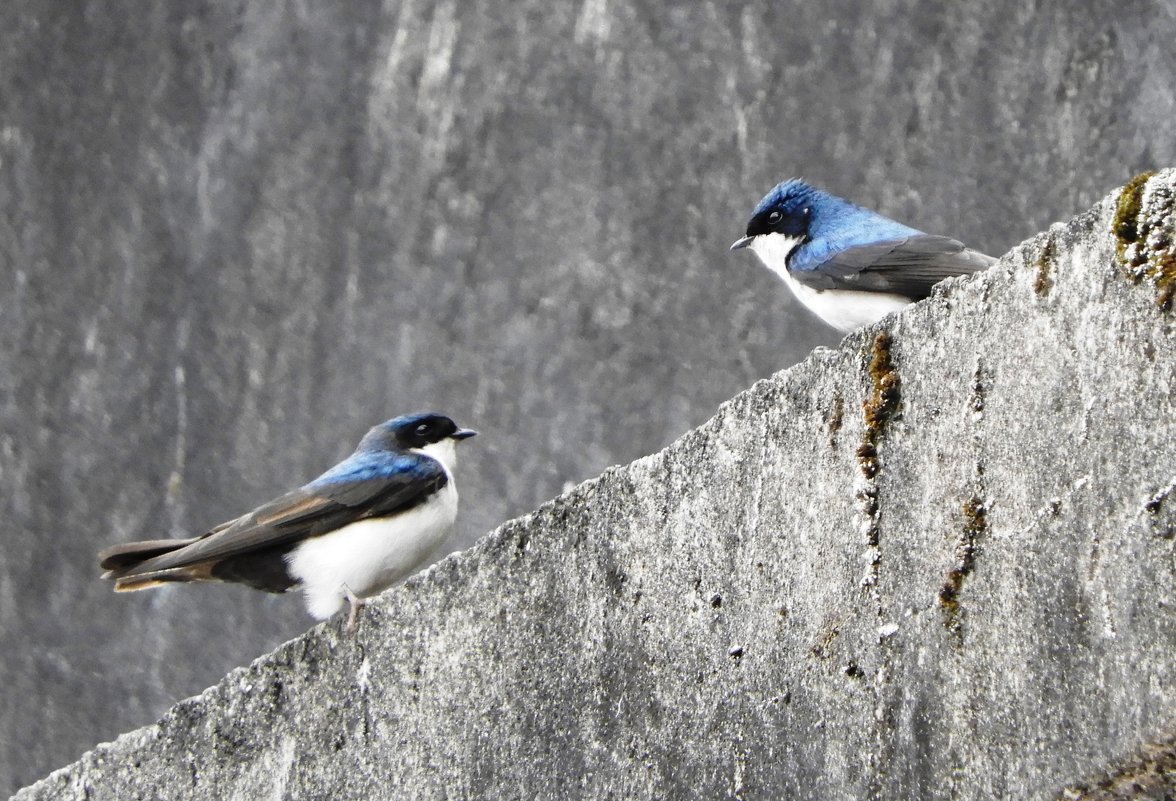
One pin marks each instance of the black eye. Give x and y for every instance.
(774, 217)
(422, 429)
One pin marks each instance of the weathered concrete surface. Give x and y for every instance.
(232, 236)
(1147, 775)
(980, 605)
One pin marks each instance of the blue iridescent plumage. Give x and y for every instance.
(363, 524)
(849, 265)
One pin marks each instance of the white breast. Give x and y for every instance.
(369, 556)
(844, 309)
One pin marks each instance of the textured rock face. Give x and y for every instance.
(937, 562)
(232, 236)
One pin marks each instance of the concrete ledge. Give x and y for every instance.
(937, 562)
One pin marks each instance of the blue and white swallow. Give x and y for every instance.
(368, 522)
(850, 266)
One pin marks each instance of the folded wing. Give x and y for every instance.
(907, 266)
(249, 548)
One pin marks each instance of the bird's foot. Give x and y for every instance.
(357, 605)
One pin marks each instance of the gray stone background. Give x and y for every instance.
(233, 237)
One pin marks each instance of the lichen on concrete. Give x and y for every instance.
(974, 527)
(1147, 775)
(1043, 266)
(881, 403)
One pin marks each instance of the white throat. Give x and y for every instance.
(444, 452)
(773, 250)
(844, 309)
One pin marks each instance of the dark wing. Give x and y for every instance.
(909, 266)
(328, 503)
(128, 554)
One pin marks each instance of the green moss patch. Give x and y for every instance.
(1143, 256)
(1125, 226)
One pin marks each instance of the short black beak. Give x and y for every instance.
(464, 433)
(742, 243)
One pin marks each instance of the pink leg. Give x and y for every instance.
(357, 604)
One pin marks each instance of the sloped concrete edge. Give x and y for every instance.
(1145, 249)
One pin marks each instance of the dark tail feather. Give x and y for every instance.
(119, 558)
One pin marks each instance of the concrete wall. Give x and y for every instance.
(234, 236)
(935, 563)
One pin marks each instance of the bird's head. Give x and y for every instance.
(781, 222)
(425, 432)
